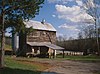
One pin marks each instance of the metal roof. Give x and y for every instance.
(39, 25)
(47, 44)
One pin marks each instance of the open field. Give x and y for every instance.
(72, 65)
(67, 65)
(15, 66)
(81, 58)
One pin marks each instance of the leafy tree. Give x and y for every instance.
(16, 11)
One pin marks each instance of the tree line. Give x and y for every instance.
(88, 37)
(86, 41)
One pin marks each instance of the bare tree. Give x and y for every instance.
(80, 36)
(93, 8)
(89, 32)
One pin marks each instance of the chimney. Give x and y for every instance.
(43, 21)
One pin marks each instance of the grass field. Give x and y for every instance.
(28, 66)
(81, 58)
(22, 65)
(13, 66)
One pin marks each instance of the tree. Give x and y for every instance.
(89, 39)
(88, 32)
(13, 10)
(93, 8)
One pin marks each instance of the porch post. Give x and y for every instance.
(63, 53)
(54, 54)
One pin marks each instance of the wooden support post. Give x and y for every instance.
(54, 54)
(49, 53)
(63, 54)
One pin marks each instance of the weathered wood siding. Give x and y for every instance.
(42, 36)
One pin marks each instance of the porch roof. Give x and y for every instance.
(47, 44)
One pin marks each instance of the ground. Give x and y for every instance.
(72, 67)
(67, 65)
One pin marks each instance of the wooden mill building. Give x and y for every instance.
(42, 41)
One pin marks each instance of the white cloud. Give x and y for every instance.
(7, 34)
(52, 1)
(59, 34)
(60, 1)
(79, 2)
(74, 13)
(53, 15)
(65, 26)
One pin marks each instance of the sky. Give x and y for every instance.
(65, 15)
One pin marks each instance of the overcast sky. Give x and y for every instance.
(65, 15)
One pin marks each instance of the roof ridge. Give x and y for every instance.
(40, 26)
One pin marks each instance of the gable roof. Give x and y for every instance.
(39, 26)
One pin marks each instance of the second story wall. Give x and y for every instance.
(42, 36)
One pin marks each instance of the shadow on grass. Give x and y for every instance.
(7, 70)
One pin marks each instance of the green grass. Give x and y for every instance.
(11, 63)
(28, 66)
(8, 70)
(81, 58)
(13, 66)
(7, 47)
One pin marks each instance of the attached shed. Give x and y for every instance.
(44, 49)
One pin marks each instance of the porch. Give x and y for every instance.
(43, 49)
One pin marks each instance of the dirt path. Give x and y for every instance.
(66, 66)
(71, 67)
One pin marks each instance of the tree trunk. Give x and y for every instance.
(97, 37)
(98, 43)
(2, 52)
(2, 38)
(98, 46)
(2, 44)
